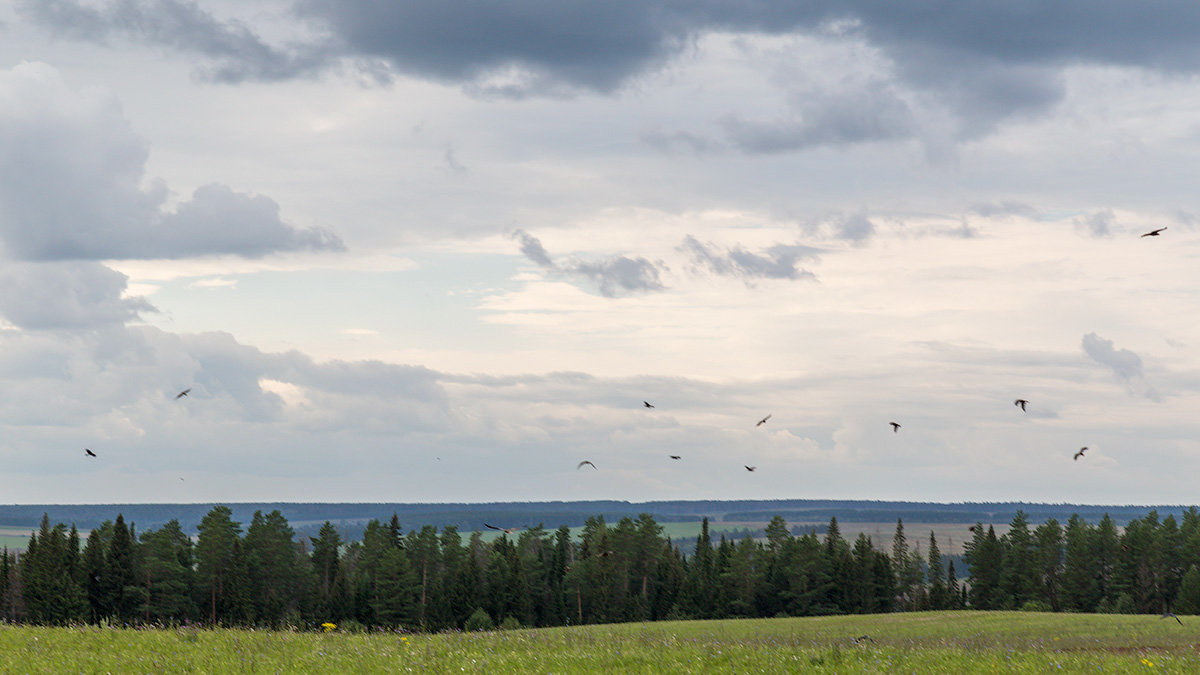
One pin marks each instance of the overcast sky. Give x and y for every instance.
(431, 251)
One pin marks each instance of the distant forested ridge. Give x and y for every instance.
(262, 574)
(350, 518)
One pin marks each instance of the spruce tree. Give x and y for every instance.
(936, 575)
(215, 558)
(1188, 600)
(324, 558)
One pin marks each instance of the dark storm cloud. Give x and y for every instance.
(74, 187)
(612, 277)
(778, 262)
(1124, 364)
(237, 53)
(949, 71)
(66, 296)
(994, 56)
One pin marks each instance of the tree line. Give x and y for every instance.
(432, 580)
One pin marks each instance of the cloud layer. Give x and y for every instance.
(75, 187)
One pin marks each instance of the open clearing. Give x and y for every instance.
(928, 642)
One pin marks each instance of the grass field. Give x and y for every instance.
(935, 642)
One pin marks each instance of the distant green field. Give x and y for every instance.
(937, 642)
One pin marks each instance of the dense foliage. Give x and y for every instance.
(432, 580)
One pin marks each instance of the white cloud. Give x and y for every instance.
(76, 188)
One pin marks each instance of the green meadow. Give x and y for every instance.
(930, 642)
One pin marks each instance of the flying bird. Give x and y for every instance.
(182, 393)
(647, 404)
(1154, 233)
(505, 530)
(750, 468)
(580, 465)
(1171, 616)
(895, 426)
(675, 456)
(762, 421)
(1020, 402)
(1080, 453)
(89, 452)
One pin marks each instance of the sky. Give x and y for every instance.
(427, 251)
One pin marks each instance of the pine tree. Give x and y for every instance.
(984, 554)
(1080, 581)
(215, 558)
(52, 595)
(938, 598)
(953, 592)
(1050, 547)
(325, 557)
(168, 575)
(425, 556)
(907, 574)
(1019, 572)
(1188, 600)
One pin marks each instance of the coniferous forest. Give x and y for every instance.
(434, 580)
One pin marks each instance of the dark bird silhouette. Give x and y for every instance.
(762, 421)
(647, 404)
(505, 530)
(580, 465)
(182, 393)
(750, 468)
(675, 456)
(1154, 233)
(1168, 615)
(1080, 453)
(1020, 402)
(895, 427)
(971, 528)
(89, 452)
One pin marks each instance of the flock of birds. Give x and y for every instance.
(185, 392)
(896, 426)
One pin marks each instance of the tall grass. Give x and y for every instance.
(936, 642)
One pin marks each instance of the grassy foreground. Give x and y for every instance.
(933, 642)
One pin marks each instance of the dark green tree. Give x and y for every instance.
(216, 574)
(168, 574)
(1050, 555)
(329, 586)
(984, 554)
(1019, 573)
(936, 574)
(51, 592)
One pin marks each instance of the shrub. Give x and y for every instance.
(510, 623)
(479, 620)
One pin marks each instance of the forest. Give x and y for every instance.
(433, 580)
